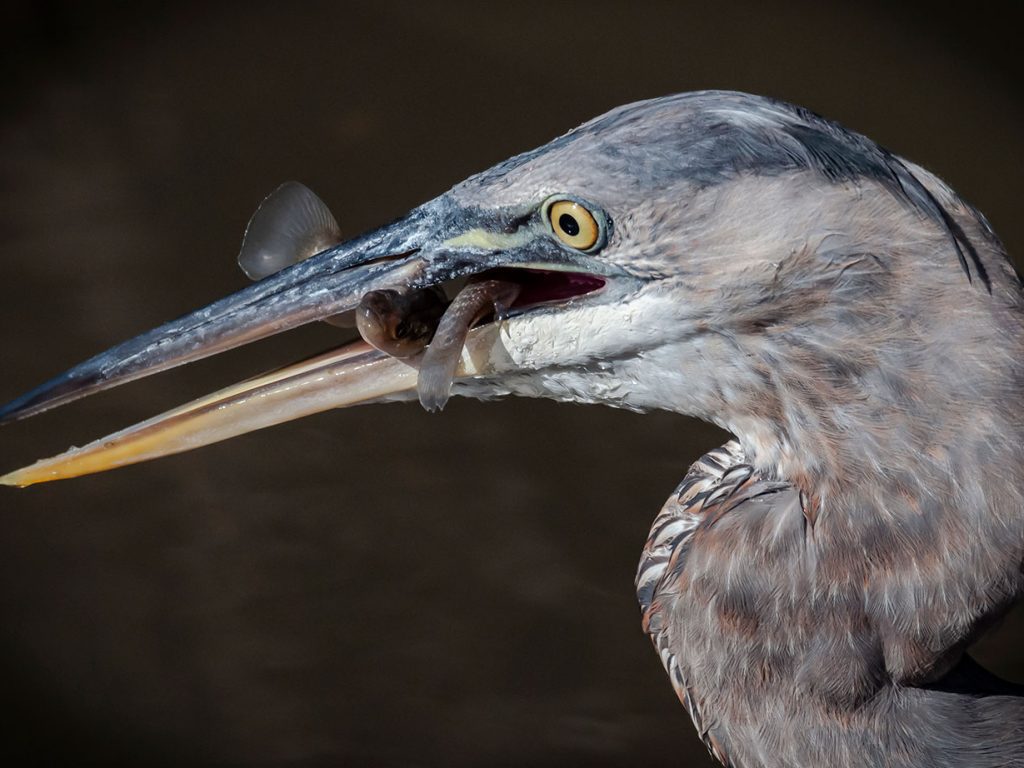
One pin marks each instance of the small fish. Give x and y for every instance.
(400, 324)
(441, 359)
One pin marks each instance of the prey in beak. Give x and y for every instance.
(429, 293)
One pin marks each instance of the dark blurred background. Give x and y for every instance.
(378, 586)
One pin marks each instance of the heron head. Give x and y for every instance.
(652, 252)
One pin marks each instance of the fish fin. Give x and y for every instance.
(290, 225)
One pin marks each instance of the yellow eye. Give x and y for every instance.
(573, 224)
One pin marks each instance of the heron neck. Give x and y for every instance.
(910, 458)
(909, 420)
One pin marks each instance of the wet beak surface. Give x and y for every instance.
(319, 287)
(408, 255)
(327, 284)
(352, 375)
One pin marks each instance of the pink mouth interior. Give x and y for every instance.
(539, 286)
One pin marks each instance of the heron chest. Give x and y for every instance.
(726, 592)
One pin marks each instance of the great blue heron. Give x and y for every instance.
(811, 587)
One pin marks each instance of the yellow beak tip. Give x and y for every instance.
(11, 479)
(26, 476)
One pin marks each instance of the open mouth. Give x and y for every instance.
(545, 286)
(422, 326)
(353, 374)
(421, 339)
(403, 323)
(497, 293)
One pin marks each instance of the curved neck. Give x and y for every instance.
(903, 431)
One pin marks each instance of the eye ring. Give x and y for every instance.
(575, 224)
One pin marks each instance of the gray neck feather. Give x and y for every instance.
(867, 371)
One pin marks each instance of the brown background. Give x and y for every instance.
(376, 586)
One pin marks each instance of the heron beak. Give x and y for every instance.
(353, 374)
(412, 253)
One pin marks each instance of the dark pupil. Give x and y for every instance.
(569, 225)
